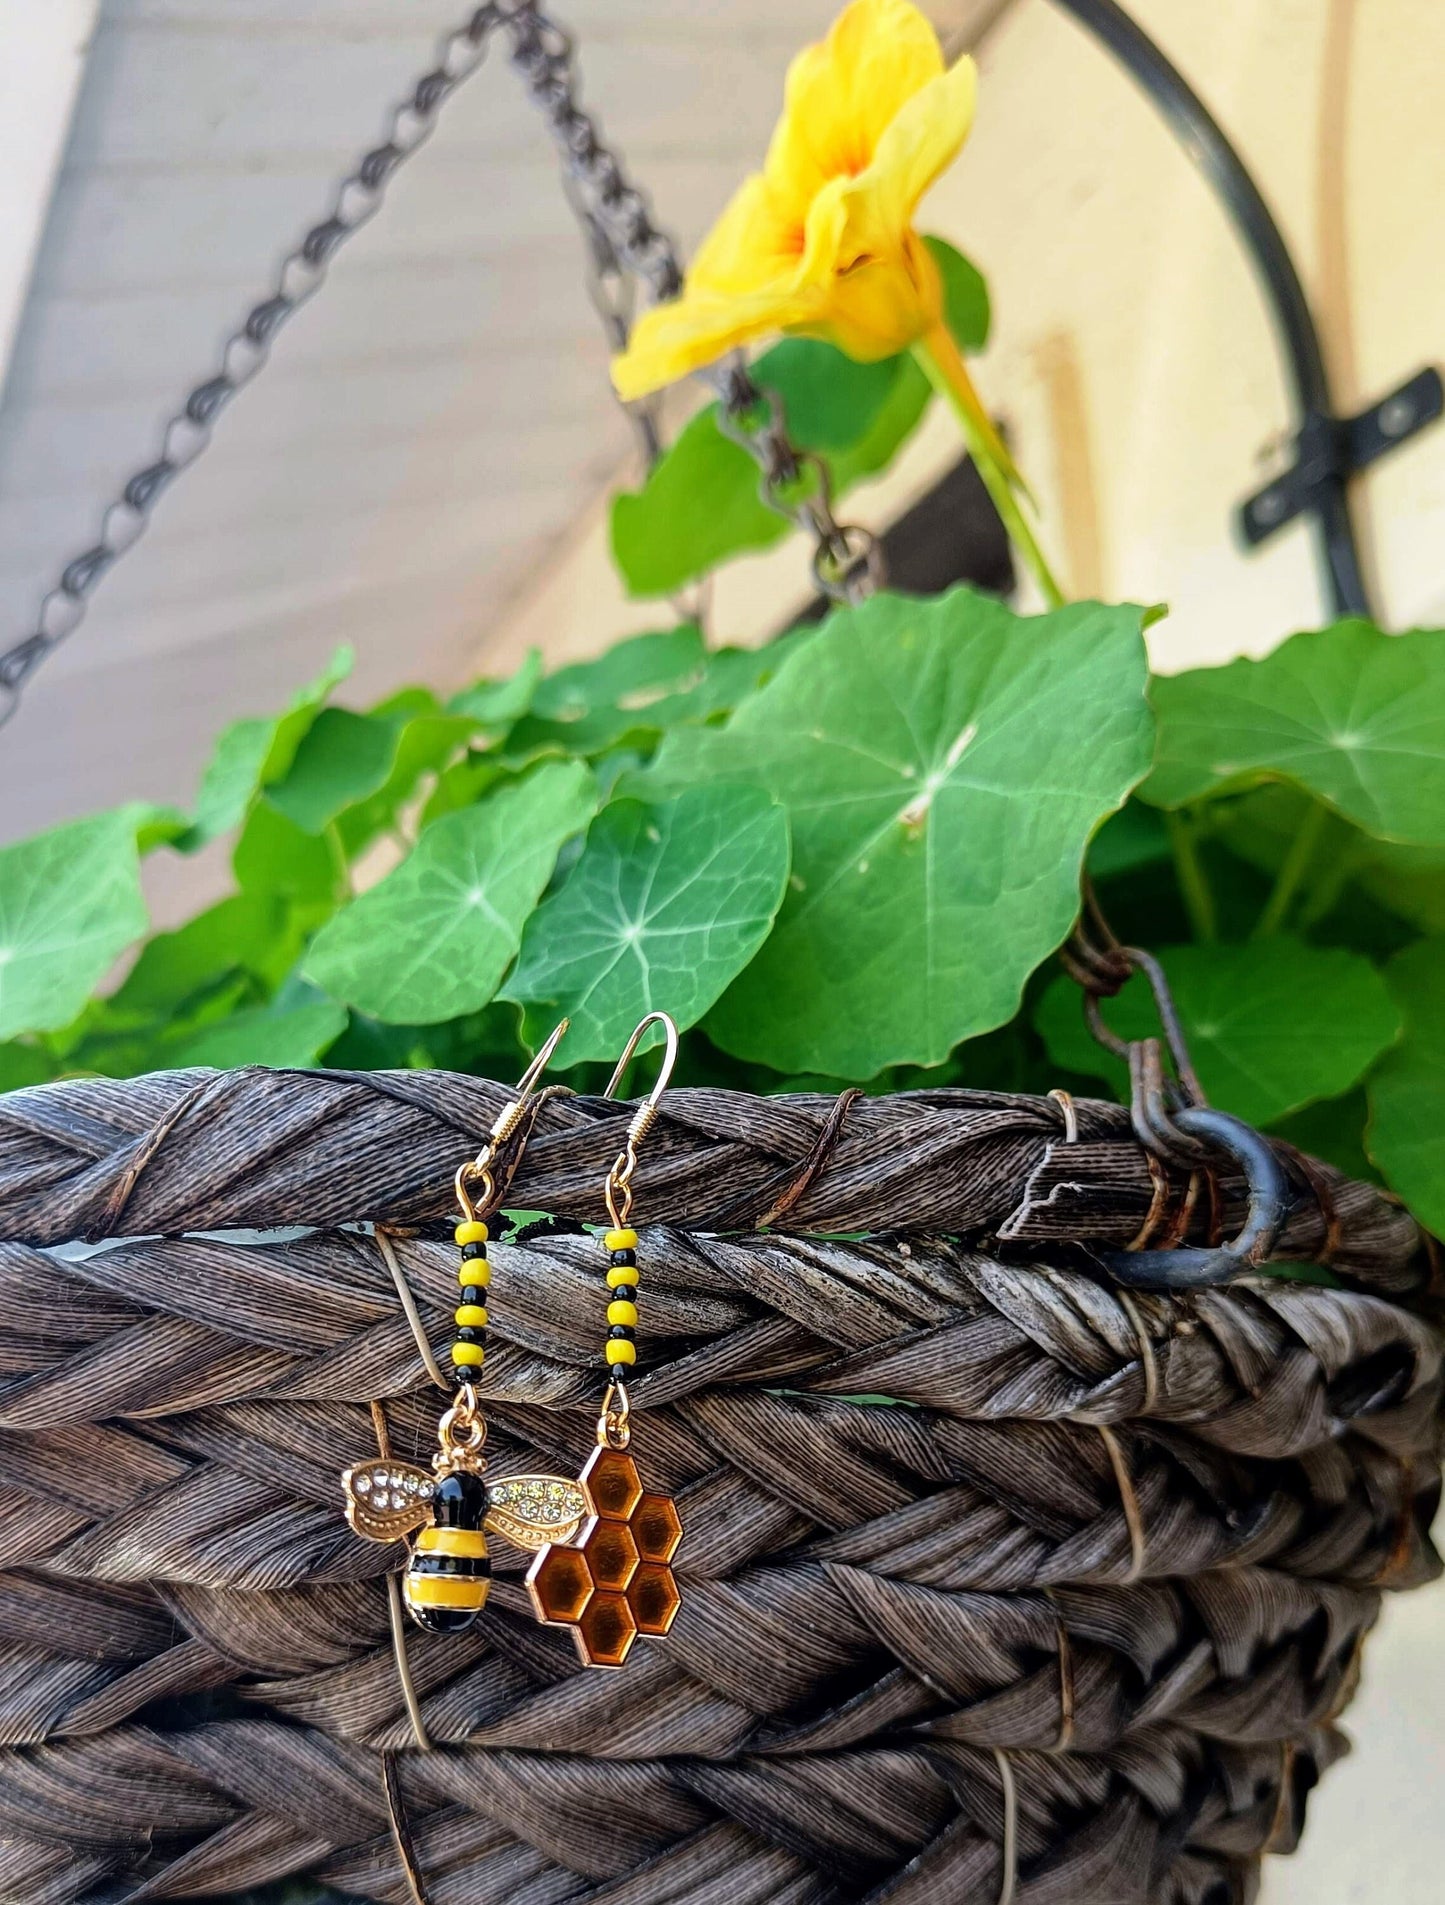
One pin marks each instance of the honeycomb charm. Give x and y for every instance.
(614, 1581)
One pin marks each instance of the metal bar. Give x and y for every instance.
(1203, 139)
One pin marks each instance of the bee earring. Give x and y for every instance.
(454, 1506)
(614, 1581)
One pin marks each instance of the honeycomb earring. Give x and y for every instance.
(614, 1580)
(452, 1508)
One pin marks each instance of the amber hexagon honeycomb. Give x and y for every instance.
(614, 1581)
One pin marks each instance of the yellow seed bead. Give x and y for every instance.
(468, 1355)
(471, 1316)
(475, 1271)
(620, 1240)
(622, 1276)
(474, 1231)
(620, 1352)
(621, 1312)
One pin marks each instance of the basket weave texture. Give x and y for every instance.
(999, 1584)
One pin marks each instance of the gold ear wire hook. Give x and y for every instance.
(619, 1178)
(503, 1126)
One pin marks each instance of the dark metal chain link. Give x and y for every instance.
(618, 225)
(621, 238)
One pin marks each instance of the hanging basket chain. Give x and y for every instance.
(620, 238)
(846, 559)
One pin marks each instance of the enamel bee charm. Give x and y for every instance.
(452, 1510)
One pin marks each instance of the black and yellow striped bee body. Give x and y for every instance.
(446, 1581)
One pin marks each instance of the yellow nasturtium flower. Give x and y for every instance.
(821, 242)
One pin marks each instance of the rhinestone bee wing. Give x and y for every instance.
(386, 1500)
(532, 1510)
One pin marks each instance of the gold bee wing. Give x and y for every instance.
(386, 1500)
(531, 1510)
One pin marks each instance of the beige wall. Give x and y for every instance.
(1132, 355)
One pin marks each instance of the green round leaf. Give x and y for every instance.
(665, 907)
(1272, 1025)
(943, 765)
(342, 758)
(965, 296)
(280, 1036)
(1355, 716)
(1406, 1135)
(433, 939)
(251, 754)
(70, 904)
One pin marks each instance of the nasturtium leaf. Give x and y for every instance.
(943, 764)
(495, 705)
(22, 1065)
(341, 759)
(664, 908)
(700, 504)
(1132, 838)
(462, 784)
(1272, 1025)
(1333, 1129)
(282, 1036)
(965, 296)
(250, 754)
(1406, 1135)
(158, 826)
(1353, 715)
(244, 931)
(275, 857)
(433, 939)
(70, 904)
(589, 706)
(427, 743)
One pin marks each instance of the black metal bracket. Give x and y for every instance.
(1330, 450)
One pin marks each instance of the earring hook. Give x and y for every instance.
(619, 1178)
(504, 1125)
(669, 1058)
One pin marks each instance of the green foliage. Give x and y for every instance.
(1407, 1093)
(844, 857)
(70, 904)
(665, 906)
(433, 939)
(943, 765)
(252, 754)
(1351, 715)
(1272, 1025)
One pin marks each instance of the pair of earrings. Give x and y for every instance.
(603, 1545)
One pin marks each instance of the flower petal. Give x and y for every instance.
(671, 340)
(922, 140)
(754, 244)
(843, 92)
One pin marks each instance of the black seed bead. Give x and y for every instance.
(624, 1256)
(471, 1252)
(472, 1293)
(465, 1334)
(621, 1333)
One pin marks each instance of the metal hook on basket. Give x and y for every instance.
(1172, 1118)
(1193, 1268)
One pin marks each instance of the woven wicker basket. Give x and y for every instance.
(1000, 1583)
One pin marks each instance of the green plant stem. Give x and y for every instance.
(339, 860)
(938, 357)
(1194, 887)
(1292, 870)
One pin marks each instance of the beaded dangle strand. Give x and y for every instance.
(453, 1509)
(615, 1580)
